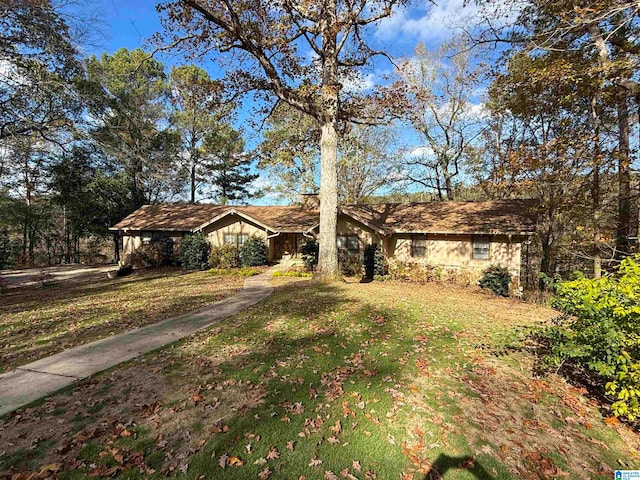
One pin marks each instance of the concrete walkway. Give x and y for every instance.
(38, 379)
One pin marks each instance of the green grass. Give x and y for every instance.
(36, 322)
(404, 380)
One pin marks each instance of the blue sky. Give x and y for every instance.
(131, 23)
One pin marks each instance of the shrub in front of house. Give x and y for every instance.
(158, 253)
(373, 262)
(598, 335)
(253, 252)
(415, 272)
(350, 265)
(496, 279)
(194, 252)
(310, 252)
(224, 256)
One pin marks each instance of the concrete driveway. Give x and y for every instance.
(35, 276)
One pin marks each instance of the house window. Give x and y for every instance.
(480, 248)
(419, 246)
(146, 238)
(237, 239)
(348, 244)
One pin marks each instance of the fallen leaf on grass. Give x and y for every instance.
(290, 445)
(347, 474)
(329, 475)
(236, 462)
(315, 462)
(264, 474)
(224, 458)
(273, 453)
(356, 466)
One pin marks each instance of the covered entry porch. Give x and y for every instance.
(287, 245)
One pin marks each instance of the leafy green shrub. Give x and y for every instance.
(350, 265)
(224, 256)
(599, 334)
(194, 252)
(373, 261)
(310, 252)
(496, 279)
(253, 252)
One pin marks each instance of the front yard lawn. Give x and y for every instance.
(367, 381)
(36, 322)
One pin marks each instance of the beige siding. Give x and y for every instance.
(349, 226)
(455, 252)
(231, 224)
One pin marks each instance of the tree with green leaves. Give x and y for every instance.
(39, 68)
(289, 152)
(198, 107)
(227, 164)
(267, 46)
(130, 93)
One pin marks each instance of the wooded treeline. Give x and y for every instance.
(85, 141)
(544, 106)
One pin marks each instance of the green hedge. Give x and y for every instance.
(253, 252)
(599, 334)
(194, 252)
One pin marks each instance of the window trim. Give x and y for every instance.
(346, 249)
(236, 238)
(414, 248)
(481, 239)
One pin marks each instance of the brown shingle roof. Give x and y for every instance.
(284, 219)
(488, 217)
(495, 216)
(180, 217)
(183, 217)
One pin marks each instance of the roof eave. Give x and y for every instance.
(233, 211)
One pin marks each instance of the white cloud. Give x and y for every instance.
(436, 23)
(421, 152)
(359, 84)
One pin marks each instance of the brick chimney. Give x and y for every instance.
(310, 201)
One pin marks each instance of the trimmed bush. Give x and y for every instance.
(496, 279)
(598, 336)
(310, 254)
(253, 252)
(350, 265)
(373, 262)
(194, 252)
(224, 256)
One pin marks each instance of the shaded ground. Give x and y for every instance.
(40, 321)
(58, 273)
(373, 381)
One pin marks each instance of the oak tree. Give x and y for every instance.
(266, 45)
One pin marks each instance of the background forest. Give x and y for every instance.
(532, 99)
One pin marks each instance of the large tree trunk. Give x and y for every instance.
(624, 178)
(328, 253)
